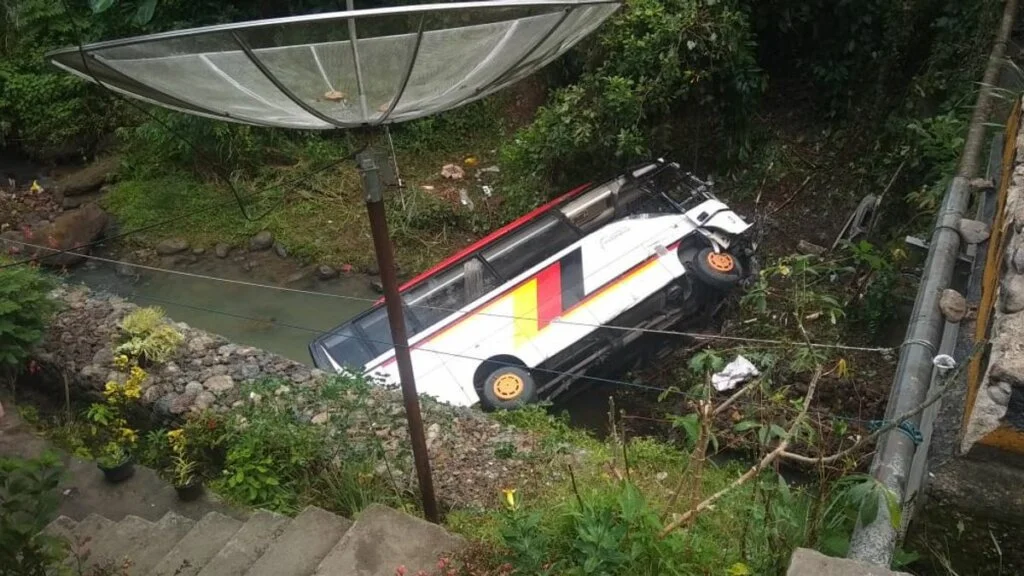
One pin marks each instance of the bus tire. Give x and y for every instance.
(508, 388)
(717, 269)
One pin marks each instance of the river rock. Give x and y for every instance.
(805, 247)
(377, 286)
(1009, 368)
(126, 270)
(204, 401)
(221, 250)
(261, 241)
(280, 250)
(296, 277)
(87, 179)
(171, 246)
(953, 305)
(198, 251)
(1017, 260)
(321, 418)
(218, 384)
(70, 229)
(1012, 294)
(973, 231)
(193, 388)
(325, 272)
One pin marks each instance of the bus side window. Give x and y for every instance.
(478, 279)
(521, 250)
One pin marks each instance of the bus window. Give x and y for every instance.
(377, 330)
(346, 348)
(439, 296)
(520, 250)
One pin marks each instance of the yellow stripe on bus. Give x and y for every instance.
(524, 310)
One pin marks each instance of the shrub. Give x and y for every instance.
(28, 500)
(145, 336)
(650, 62)
(25, 307)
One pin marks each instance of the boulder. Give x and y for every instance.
(219, 384)
(87, 179)
(70, 229)
(171, 246)
(280, 250)
(1012, 294)
(325, 272)
(1009, 368)
(805, 247)
(261, 241)
(953, 305)
(222, 250)
(973, 231)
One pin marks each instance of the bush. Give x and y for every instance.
(25, 308)
(147, 337)
(28, 500)
(652, 61)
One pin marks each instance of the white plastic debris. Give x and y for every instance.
(487, 191)
(735, 373)
(465, 199)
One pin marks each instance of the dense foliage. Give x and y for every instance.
(28, 501)
(25, 307)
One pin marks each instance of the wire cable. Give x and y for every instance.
(674, 333)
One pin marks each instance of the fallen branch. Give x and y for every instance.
(732, 399)
(791, 197)
(755, 469)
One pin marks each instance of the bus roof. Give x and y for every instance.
(481, 243)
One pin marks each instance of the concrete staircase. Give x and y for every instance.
(314, 543)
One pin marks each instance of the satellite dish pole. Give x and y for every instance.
(275, 81)
(371, 178)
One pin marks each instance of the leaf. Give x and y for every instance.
(739, 569)
(100, 6)
(868, 509)
(745, 425)
(893, 504)
(690, 425)
(144, 13)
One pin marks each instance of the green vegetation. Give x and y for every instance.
(146, 337)
(25, 308)
(28, 501)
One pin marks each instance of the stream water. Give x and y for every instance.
(278, 321)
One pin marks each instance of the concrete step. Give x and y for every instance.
(198, 547)
(61, 527)
(301, 547)
(247, 545)
(84, 534)
(162, 537)
(383, 539)
(116, 544)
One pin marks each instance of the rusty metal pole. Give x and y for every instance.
(370, 174)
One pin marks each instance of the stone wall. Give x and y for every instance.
(468, 449)
(205, 372)
(1000, 397)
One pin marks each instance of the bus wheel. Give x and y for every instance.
(717, 269)
(509, 387)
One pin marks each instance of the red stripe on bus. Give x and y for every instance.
(603, 289)
(483, 242)
(549, 295)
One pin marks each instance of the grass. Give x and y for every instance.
(322, 218)
(756, 526)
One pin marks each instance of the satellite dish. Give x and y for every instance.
(345, 70)
(341, 69)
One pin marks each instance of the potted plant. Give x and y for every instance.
(110, 429)
(182, 472)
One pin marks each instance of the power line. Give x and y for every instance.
(676, 333)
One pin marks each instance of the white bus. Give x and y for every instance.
(562, 291)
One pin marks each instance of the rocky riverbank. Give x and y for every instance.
(209, 373)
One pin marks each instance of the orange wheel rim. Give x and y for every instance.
(508, 386)
(721, 262)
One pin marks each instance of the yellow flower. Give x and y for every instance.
(785, 271)
(110, 389)
(174, 435)
(842, 368)
(510, 498)
(129, 435)
(121, 362)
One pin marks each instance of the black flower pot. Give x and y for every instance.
(190, 492)
(119, 472)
